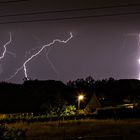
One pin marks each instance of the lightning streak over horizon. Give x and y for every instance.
(11, 53)
(5, 46)
(24, 67)
(50, 62)
(138, 43)
(139, 51)
(47, 51)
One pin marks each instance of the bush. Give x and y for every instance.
(11, 134)
(68, 111)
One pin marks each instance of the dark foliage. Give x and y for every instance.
(11, 134)
(36, 96)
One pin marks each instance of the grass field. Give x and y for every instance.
(53, 130)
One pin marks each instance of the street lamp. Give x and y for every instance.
(80, 97)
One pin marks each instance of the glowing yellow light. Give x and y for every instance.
(80, 97)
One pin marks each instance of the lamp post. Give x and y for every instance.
(80, 97)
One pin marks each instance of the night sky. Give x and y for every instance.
(103, 46)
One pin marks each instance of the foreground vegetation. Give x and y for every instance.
(51, 110)
(54, 130)
(11, 133)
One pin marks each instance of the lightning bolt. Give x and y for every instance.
(138, 43)
(5, 46)
(51, 63)
(139, 47)
(47, 51)
(24, 66)
(11, 53)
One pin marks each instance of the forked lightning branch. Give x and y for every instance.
(24, 65)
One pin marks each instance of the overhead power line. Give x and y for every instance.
(70, 10)
(12, 1)
(73, 18)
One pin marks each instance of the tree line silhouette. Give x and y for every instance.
(37, 96)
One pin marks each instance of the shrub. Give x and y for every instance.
(11, 134)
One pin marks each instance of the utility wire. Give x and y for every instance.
(73, 18)
(12, 1)
(70, 10)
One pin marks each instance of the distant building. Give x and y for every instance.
(104, 104)
(93, 104)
